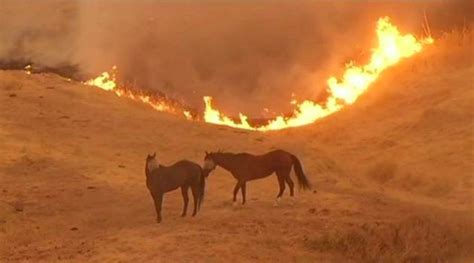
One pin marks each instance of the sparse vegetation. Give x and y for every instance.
(419, 238)
(382, 172)
(11, 85)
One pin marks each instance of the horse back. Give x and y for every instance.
(167, 178)
(259, 166)
(275, 159)
(188, 168)
(281, 156)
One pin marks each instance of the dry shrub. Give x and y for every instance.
(382, 172)
(426, 184)
(410, 181)
(451, 50)
(415, 239)
(440, 186)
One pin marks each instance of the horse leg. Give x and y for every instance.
(290, 183)
(281, 183)
(242, 188)
(195, 192)
(184, 192)
(236, 189)
(158, 199)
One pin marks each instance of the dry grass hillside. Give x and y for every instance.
(393, 175)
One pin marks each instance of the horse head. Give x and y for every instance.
(209, 161)
(151, 162)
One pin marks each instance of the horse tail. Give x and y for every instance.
(302, 180)
(202, 187)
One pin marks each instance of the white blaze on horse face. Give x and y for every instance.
(152, 164)
(209, 164)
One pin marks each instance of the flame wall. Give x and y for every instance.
(248, 56)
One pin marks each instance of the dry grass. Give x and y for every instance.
(10, 85)
(420, 238)
(452, 50)
(440, 186)
(113, 221)
(425, 184)
(433, 134)
(382, 172)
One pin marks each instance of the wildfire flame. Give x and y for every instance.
(28, 69)
(392, 47)
(107, 81)
(356, 79)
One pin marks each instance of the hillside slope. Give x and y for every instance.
(416, 121)
(392, 174)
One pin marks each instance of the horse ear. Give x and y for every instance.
(206, 152)
(154, 155)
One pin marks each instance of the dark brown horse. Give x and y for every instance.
(246, 167)
(185, 174)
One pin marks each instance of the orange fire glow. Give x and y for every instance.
(356, 79)
(392, 47)
(28, 69)
(107, 81)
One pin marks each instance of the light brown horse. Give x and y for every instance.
(185, 174)
(246, 167)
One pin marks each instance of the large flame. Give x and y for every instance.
(356, 79)
(107, 81)
(392, 47)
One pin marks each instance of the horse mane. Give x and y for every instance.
(224, 153)
(148, 172)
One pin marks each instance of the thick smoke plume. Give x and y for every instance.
(249, 55)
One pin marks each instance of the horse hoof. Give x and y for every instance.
(235, 204)
(277, 202)
(158, 220)
(183, 215)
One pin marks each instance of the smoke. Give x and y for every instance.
(35, 31)
(247, 55)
